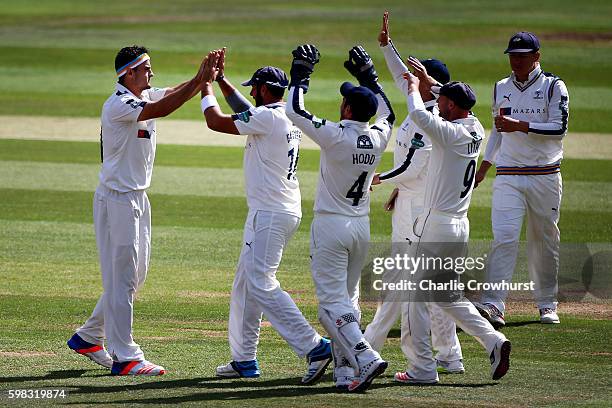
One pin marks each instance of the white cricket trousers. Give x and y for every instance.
(408, 206)
(122, 223)
(256, 289)
(540, 197)
(437, 231)
(338, 248)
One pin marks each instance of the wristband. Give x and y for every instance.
(219, 78)
(208, 101)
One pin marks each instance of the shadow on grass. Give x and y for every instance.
(222, 390)
(51, 375)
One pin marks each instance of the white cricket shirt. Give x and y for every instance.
(270, 159)
(350, 152)
(543, 101)
(454, 155)
(128, 146)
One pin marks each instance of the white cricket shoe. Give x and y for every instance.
(94, 352)
(405, 378)
(343, 376)
(549, 316)
(500, 359)
(318, 360)
(450, 367)
(239, 369)
(372, 367)
(143, 367)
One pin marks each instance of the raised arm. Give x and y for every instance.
(360, 65)
(233, 97)
(174, 98)
(322, 132)
(215, 119)
(438, 129)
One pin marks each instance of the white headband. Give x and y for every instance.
(133, 64)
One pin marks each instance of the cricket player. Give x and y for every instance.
(122, 214)
(340, 230)
(411, 159)
(443, 228)
(531, 110)
(273, 197)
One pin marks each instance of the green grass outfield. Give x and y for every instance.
(57, 56)
(56, 59)
(50, 276)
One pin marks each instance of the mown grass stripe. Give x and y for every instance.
(229, 213)
(224, 157)
(230, 183)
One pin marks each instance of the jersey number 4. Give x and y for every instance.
(356, 191)
(468, 177)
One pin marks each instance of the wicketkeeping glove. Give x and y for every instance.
(360, 65)
(304, 59)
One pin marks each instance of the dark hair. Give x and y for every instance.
(127, 55)
(275, 91)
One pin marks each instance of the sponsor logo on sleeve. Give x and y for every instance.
(242, 116)
(317, 123)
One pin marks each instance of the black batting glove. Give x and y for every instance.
(360, 65)
(305, 57)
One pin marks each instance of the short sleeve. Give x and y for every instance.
(155, 94)
(255, 121)
(126, 109)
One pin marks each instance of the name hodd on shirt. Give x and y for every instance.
(350, 152)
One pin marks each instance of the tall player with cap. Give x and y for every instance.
(531, 111)
(122, 215)
(340, 230)
(273, 197)
(443, 228)
(411, 159)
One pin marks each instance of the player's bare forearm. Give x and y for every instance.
(215, 119)
(482, 172)
(170, 102)
(226, 87)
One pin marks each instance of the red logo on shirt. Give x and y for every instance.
(143, 134)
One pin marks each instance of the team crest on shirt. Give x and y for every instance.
(364, 142)
(538, 94)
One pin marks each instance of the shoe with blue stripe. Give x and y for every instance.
(318, 360)
(94, 352)
(239, 369)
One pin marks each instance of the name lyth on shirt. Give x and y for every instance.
(474, 146)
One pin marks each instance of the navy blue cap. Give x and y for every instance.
(523, 42)
(271, 76)
(362, 101)
(437, 70)
(460, 93)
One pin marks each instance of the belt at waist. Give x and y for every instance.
(529, 170)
